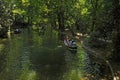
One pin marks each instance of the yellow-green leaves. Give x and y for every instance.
(84, 11)
(25, 2)
(18, 11)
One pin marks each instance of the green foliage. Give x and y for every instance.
(18, 11)
(2, 14)
(50, 38)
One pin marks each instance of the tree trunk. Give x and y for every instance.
(77, 24)
(94, 16)
(61, 25)
(61, 20)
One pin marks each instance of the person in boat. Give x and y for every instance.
(70, 43)
(67, 41)
(73, 44)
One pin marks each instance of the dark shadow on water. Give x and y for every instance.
(49, 63)
(51, 72)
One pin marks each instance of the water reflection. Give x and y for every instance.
(69, 69)
(26, 59)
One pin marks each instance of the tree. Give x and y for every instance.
(3, 20)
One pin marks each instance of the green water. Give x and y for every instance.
(25, 57)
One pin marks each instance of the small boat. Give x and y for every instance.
(71, 45)
(72, 49)
(17, 31)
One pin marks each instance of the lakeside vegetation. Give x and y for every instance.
(42, 24)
